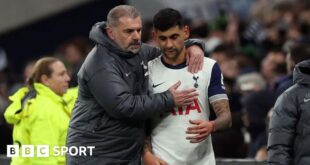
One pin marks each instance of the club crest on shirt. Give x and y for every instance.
(196, 81)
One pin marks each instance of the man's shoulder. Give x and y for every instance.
(294, 94)
(208, 64)
(154, 62)
(297, 91)
(98, 55)
(209, 61)
(96, 60)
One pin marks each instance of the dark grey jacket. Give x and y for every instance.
(113, 102)
(289, 130)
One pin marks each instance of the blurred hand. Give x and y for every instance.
(194, 58)
(182, 97)
(150, 159)
(201, 130)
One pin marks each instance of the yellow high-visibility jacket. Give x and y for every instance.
(42, 120)
(70, 97)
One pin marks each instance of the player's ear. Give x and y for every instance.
(154, 35)
(186, 31)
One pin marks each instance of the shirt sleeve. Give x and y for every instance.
(216, 90)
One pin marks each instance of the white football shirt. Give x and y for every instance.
(168, 135)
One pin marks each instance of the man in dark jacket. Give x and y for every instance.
(113, 100)
(297, 53)
(288, 141)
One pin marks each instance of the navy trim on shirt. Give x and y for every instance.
(178, 66)
(216, 86)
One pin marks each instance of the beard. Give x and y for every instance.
(134, 47)
(172, 53)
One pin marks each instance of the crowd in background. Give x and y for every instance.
(252, 54)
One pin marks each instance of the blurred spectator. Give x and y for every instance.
(26, 74)
(74, 53)
(3, 59)
(232, 63)
(297, 53)
(5, 131)
(221, 53)
(199, 29)
(229, 62)
(258, 104)
(273, 67)
(39, 113)
(28, 70)
(250, 82)
(217, 30)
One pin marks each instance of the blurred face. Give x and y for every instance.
(289, 63)
(127, 34)
(230, 68)
(171, 42)
(28, 70)
(269, 64)
(72, 54)
(218, 57)
(58, 81)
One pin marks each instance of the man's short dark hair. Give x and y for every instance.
(167, 18)
(300, 52)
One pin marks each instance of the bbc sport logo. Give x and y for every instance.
(44, 151)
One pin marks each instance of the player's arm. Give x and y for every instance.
(223, 116)
(114, 94)
(147, 145)
(148, 157)
(201, 129)
(219, 100)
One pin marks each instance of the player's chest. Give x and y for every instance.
(162, 80)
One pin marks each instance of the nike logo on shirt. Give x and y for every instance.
(154, 86)
(127, 74)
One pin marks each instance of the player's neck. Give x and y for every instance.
(181, 58)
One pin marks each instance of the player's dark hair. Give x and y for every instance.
(167, 18)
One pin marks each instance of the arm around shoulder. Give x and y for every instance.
(115, 96)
